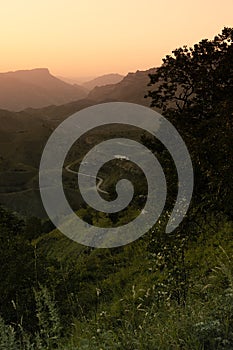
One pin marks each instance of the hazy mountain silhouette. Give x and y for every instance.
(76, 80)
(103, 80)
(131, 88)
(36, 88)
(23, 136)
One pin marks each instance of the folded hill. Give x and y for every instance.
(103, 80)
(36, 88)
(131, 88)
(23, 135)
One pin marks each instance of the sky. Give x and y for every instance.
(78, 38)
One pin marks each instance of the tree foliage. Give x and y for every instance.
(194, 89)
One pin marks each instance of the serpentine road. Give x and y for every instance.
(100, 180)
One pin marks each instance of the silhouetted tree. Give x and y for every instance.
(194, 89)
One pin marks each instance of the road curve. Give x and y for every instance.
(100, 180)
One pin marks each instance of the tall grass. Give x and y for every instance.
(145, 319)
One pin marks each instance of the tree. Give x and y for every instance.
(21, 270)
(33, 228)
(194, 89)
(199, 78)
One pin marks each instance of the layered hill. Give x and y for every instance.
(36, 88)
(132, 88)
(23, 135)
(106, 79)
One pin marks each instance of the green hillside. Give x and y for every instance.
(164, 291)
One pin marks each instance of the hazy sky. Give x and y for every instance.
(92, 37)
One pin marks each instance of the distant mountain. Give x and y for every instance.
(24, 134)
(103, 80)
(36, 88)
(76, 80)
(131, 88)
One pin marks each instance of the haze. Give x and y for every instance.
(89, 37)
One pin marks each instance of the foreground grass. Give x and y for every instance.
(140, 312)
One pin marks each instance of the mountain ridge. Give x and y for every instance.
(132, 88)
(106, 79)
(36, 88)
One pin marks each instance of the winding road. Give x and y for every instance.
(100, 180)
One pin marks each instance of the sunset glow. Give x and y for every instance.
(89, 37)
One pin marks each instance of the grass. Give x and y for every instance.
(126, 298)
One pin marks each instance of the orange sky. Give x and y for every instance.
(91, 37)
